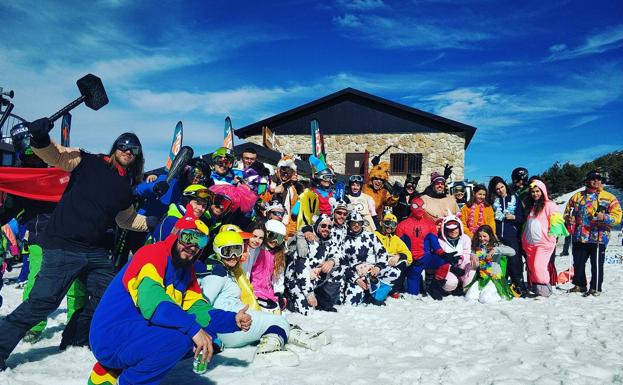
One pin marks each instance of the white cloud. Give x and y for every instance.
(583, 120)
(347, 21)
(608, 39)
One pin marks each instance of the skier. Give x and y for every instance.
(591, 213)
(154, 312)
(99, 193)
(286, 188)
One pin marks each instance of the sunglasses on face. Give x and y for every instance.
(191, 237)
(224, 161)
(229, 252)
(223, 202)
(340, 213)
(275, 237)
(135, 150)
(326, 226)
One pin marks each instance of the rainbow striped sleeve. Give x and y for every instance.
(195, 303)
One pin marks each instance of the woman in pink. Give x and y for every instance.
(267, 274)
(544, 222)
(452, 238)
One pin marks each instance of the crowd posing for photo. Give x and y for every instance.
(157, 270)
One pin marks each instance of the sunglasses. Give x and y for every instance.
(275, 237)
(223, 202)
(326, 226)
(391, 224)
(192, 237)
(340, 213)
(232, 251)
(135, 150)
(224, 161)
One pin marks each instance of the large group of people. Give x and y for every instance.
(216, 256)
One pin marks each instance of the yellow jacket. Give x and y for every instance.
(394, 245)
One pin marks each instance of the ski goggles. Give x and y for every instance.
(327, 177)
(224, 161)
(275, 237)
(192, 237)
(390, 224)
(229, 252)
(223, 202)
(202, 194)
(279, 214)
(123, 147)
(355, 179)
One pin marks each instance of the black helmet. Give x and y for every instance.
(326, 174)
(128, 141)
(520, 174)
(21, 137)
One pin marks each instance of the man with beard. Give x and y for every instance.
(311, 263)
(366, 264)
(437, 202)
(154, 312)
(286, 189)
(74, 243)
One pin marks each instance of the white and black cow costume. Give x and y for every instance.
(363, 252)
(303, 259)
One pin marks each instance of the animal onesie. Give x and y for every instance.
(364, 205)
(146, 319)
(539, 238)
(463, 247)
(381, 197)
(362, 252)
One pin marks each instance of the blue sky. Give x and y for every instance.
(542, 81)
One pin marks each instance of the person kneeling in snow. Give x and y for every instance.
(490, 285)
(369, 277)
(228, 288)
(453, 239)
(153, 312)
(400, 255)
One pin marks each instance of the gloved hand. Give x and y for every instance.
(451, 258)
(447, 171)
(161, 188)
(39, 132)
(396, 189)
(457, 271)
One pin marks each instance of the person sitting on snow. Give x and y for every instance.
(400, 255)
(227, 287)
(453, 239)
(490, 285)
(438, 202)
(368, 276)
(420, 234)
(310, 265)
(153, 312)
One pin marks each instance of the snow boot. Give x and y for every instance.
(592, 292)
(436, 289)
(272, 352)
(578, 289)
(101, 375)
(311, 341)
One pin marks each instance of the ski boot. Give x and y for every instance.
(592, 292)
(311, 341)
(101, 375)
(272, 352)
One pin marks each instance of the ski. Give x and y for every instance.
(176, 144)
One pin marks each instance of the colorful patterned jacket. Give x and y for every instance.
(151, 289)
(583, 206)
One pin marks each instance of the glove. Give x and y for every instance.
(161, 188)
(39, 132)
(396, 189)
(457, 271)
(451, 258)
(387, 186)
(447, 171)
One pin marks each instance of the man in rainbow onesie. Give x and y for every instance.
(154, 312)
(419, 233)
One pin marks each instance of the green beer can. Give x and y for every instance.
(198, 366)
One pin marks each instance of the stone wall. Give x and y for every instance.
(437, 149)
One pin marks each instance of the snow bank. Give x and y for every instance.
(564, 339)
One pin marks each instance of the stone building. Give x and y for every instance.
(358, 126)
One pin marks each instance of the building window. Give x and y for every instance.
(403, 164)
(304, 157)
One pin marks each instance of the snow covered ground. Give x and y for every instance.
(565, 339)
